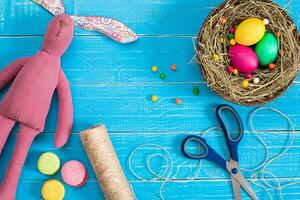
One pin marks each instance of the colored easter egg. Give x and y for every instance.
(243, 58)
(250, 31)
(267, 49)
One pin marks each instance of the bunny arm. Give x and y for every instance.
(9, 72)
(65, 111)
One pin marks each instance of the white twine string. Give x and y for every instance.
(167, 169)
(267, 161)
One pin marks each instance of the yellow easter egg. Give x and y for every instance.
(250, 31)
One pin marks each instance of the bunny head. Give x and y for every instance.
(110, 27)
(59, 34)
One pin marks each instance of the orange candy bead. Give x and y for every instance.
(178, 101)
(272, 66)
(223, 20)
(174, 67)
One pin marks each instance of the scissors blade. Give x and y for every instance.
(244, 183)
(240, 179)
(235, 184)
(236, 189)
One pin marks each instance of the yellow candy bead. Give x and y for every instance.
(222, 40)
(245, 84)
(53, 190)
(232, 42)
(154, 98)
(216, 57)
(235, 72)
(154, 68)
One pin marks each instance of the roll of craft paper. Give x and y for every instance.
(106, 164)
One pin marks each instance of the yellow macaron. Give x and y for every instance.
(53, 190)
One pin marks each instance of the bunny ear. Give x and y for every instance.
(55, 7)
(110, 27)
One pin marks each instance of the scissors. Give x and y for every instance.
(232, 166)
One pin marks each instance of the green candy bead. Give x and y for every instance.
(267, 49)
(162, 76)
(230, 36)
(196, 91)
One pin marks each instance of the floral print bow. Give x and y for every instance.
(110, 27)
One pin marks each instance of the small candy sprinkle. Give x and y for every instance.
(245, 84)
(266, 21)
(196, 91)
(256, 80)
(216, 57)
(178, 101)
(278, 34)
(230, 70)
(162, 76)
(272, 66)
(232, 30)
(235, 72)
(230, 36)
(154, 68)
(223, 20)
(154, 98)
(232, 42)
(174, 67)
(222, 40)
(248, 76)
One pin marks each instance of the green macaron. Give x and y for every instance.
(48, 163)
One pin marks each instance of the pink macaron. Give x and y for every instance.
(74, 173)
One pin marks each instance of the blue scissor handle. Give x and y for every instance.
(209, 154)
(231, 142)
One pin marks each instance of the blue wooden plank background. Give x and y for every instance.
(112, 83)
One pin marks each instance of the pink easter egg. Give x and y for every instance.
(243, 58)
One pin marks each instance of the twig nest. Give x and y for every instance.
(273, 49)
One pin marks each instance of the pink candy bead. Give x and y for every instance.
(232, 30)
(248, 76)
(230, 70)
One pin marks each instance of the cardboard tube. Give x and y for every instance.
(105, 163)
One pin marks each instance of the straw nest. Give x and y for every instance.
(272, 82)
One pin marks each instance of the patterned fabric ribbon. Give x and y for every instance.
(110, 27)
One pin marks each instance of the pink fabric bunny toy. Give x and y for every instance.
(29, 97)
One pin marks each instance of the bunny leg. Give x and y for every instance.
(5, 127)
(13, 171)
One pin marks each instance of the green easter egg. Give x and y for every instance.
(267, 49)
